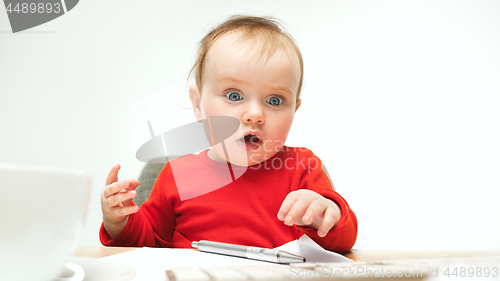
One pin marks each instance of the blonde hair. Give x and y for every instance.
(267, 30)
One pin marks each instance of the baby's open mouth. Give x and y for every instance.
(249, 142)
(251, 138)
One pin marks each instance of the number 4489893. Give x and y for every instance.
(471, 271)
(33, 8)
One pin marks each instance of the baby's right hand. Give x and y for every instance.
(115, 202)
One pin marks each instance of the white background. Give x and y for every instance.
(400, 100)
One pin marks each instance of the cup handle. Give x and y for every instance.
(72, 272)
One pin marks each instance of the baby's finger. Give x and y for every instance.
(125, 211)
(329, 221)
(115, 188)
(296, 212)
(314, 210)
(287, 205)
(133, 184)
(121, 197)
(113, 174)
(127, 202)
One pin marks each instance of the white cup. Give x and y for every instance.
(42, 213)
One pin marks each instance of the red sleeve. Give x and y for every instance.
(153, 225)
(342, 236)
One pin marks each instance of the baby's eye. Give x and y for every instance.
(234, 96)
(274, 101)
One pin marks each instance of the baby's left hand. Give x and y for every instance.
(308, 208)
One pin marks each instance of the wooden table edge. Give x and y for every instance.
(355, 254)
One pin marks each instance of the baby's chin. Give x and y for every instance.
(251, 159)
(244, 158)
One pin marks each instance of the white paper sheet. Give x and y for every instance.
(307, 248)
(151, 263)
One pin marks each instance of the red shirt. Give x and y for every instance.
(207, 204)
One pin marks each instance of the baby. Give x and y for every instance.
(250, 69)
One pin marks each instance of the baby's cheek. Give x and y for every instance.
(284, 123)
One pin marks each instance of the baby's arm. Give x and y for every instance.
(151, 225)
(316, 209)
(116, 200)
(308, 208)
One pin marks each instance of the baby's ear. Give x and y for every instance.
(194, 95)
(297, 104)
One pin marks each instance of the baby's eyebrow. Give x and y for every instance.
(283, 89)
(232, 79)
(279, 88)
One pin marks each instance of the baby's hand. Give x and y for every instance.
(115, 202)
(305, 207)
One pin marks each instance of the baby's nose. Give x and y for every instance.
(254, 114)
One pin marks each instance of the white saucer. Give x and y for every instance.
(103, 270)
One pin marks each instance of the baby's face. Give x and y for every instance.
(259, 91)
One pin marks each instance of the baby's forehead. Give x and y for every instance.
(251, 46)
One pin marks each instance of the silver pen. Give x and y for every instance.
(255, 253)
